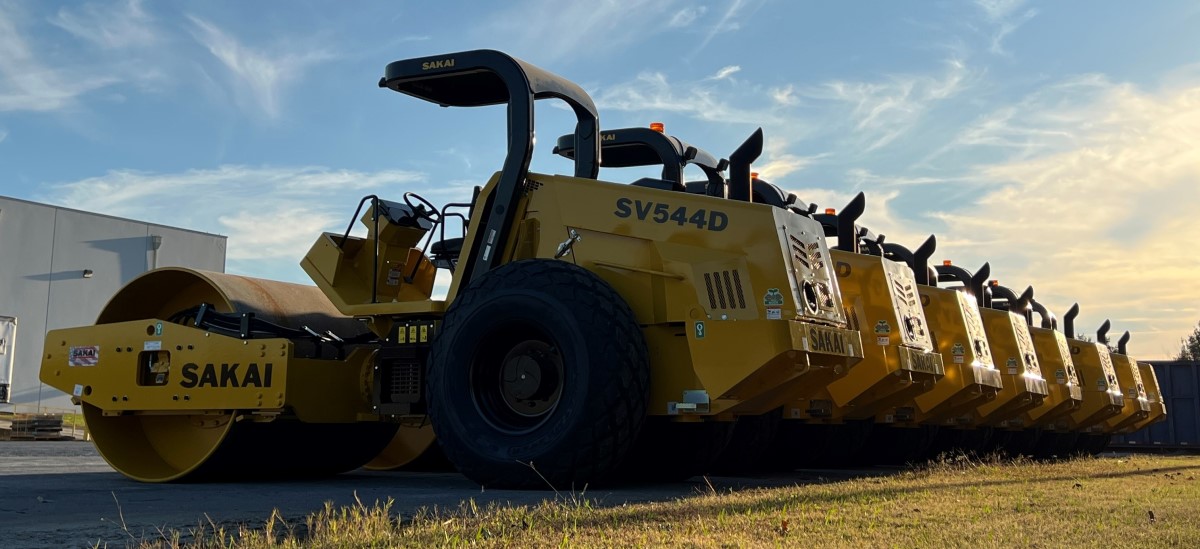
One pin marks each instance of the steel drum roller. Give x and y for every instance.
(413, 449)
(158, 446)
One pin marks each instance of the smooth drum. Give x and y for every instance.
(413, 448)
(166, 445)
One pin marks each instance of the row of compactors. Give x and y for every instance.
(592, 332)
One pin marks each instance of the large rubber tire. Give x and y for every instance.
(539, 378)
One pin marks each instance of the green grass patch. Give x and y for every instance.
(73, 420)
(1137, 501)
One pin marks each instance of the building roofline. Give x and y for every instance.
(85, 212)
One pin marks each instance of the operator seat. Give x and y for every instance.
(444, 253)
(768, 193)
(660, 184)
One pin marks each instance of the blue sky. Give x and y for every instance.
(1056, 140)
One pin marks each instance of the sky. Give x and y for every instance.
(1055, 140)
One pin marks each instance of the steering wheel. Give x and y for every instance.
(429, 214)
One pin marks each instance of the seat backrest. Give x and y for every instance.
(660, 184)
(768, 193)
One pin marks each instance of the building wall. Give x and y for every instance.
(45, 252)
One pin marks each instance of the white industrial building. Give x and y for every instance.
(58, 267)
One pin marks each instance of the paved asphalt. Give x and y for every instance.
(62, 494)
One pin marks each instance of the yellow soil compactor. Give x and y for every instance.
(592, 331)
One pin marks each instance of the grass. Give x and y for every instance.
(1137, 501)
(73, 420)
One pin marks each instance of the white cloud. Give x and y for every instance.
(1006, 28)
(271, 214)
(998, 10)
(3, 135)
(258, 77)
(1089, 194)
(1044, 121)
(1103, 216)
(566, 30)
(864, 178)
(28, 84)
(108, 26)
(725, 72)
(686, 16)
(885, 110)
(727, 23)
(778, 163)
(650, 91)
(1004, 17)
(784, 96)
(458, 155)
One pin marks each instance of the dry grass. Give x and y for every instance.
(1138, 501)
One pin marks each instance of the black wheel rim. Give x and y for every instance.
(517, 378)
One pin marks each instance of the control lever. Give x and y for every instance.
(565, 247)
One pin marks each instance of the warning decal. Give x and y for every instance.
(773, 301)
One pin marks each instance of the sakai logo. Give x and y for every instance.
(443, 64)
(922, 362)
(608, 137)
(226, 375)
(826, 342)
(88, 355)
